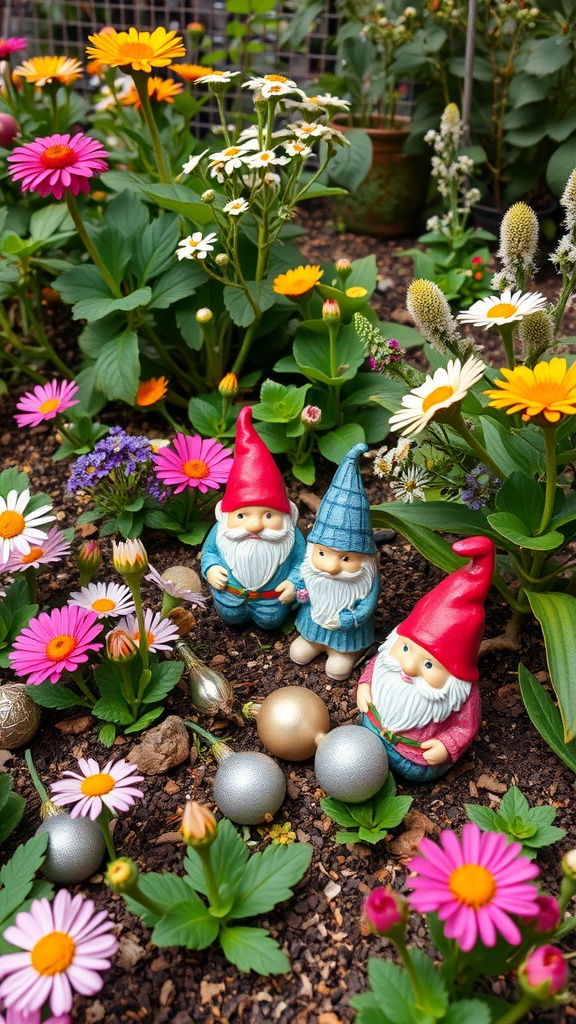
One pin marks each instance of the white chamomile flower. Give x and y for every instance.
(218, 77)
(410, 484)
(305, 130)
(196, 246)
(236, 206)
(447, 386)
(265, 158)
(106, 599)
(233, 157)
(19, 527)
(507, 308)
(193, 162)
(271, 86)
(160, 633)
(297, 149)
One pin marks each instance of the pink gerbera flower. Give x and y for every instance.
(474, 886)
(111, 786)
(54, 643)
(45, 401)
(56, 163)
(11, 45)
(194, 463)
(66, 943)
(50, 549)
(160, 632)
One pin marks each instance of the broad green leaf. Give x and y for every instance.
(447, 516)
(467, 1011)
(514, 805)
(113, 249)
(544, 835)
(177, 283)
(17, 875)
(165, 889)
(107, 734)
(5, 789)
(312, 353)
(548, 55)
(431, 983)
(242, 313)
(144, 721)
(521, 495)
(566, 513)
(486, 819)
(560, 166)
(338, 811)
(253, 949)
(154, 247)
(268, 878)
(12, 812)
(393, 989)
(392, 811)
(229, 856)
(511, 451)
(368, 1009)
(513, 529)
(113, 708)
(337, 443)
(434, 548)
(182, 200)
(204, 417)
(188, 924)
(56, 695)
(351, 164)
(117, 369)
(556, 614)
(165, 675)
(95, 308)
(280, 403)
(545, 717)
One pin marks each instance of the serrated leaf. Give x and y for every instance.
(17, 875)
(338, 811)
(187, 924)
(372, 836)
(117, 369)
(56, 695)
(268, 878)
(229, 856)
(514, 804)
(392, 811)
(545, 835)
(486, 819)
(107, 734)
(253, 949)
(166, 889)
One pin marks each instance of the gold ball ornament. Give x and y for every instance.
(291, 721)
(19, 716)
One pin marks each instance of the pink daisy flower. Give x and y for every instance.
(11, 45)
(54, 643)
(474, 886)
(56, 163)
(66, 944)
(45, 402)
(160, 632)
(35, 1017)
(194, 463)
(111, 786)
(52, 548)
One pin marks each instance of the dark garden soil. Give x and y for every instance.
(320, 927)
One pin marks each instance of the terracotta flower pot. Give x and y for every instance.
(390, 201)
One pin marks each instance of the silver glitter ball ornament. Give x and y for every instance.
(75, 848)
(19, 716)
(351, 763)
(249, 787)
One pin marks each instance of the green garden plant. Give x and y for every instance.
(371, 820)
(530, 826)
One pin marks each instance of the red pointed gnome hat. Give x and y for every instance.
(255, 478)
(449, 621)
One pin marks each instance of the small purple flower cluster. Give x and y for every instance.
(481, 486)
(389, 352)
(131, 456)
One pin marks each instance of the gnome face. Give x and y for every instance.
(255, 518)
(416, 662)
(333, 562)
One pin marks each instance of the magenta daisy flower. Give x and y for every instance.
(160, 632)
(56, 163)
(11, 45)
(111, 786)
(66, 944)
(50, 549)
(54, 643)
(45, 401)
(193, 463)
(474, 886)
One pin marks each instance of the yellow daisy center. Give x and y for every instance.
(61, 646)
(97, 785)
(135, 50)
(11, 524)
(119, 872)
(356, 292)
(440, 394)
(502, 309)
(275, 78)
(53, 953)
(103, 604)
(57, 157)
(49, 405)
(232, 151)
(32, 555)
(196, 469)
(472, 885)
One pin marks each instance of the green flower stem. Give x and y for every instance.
(135, 893)
(167, 360)
(40, 789)
(83, 686)
(143, 643)
(564, 296)
(223, 118)
(129, 694)
(246, 346)
(550, 442)
(406, 959)
(23, 367)
(104, 822)
(505, 332)
(141, 83)
(458, 424)
(32, 584)
(519, 1011)
(208, 737)
(210, 877)
(79, 225)
(333, 330)
(566, 893)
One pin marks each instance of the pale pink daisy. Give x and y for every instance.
(474, 885)
(34, 1017)
(160, 633)
(55, 643)
(175, 583)
(95, 788)
(52, 548)
(106, 599)
(66, 943)
(19, 524)
(194, 463)
(57, 163)
(45, 402)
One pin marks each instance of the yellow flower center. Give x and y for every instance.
(472, 885)
(231, 151)
(149, 638)
(275, 78)
(32, 555)
(97, 785)
(57, 157)
(264, 157)
(438, 395)
(53, 953)
(103, 604)
(196, 469)
(502, 309)
(11, 524)
(49, 405)
(135, 50)
(356, 292)
(60, 647)
(119, 871)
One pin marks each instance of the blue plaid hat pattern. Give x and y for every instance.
(343, 520)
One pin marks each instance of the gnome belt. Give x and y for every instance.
(251, 595)
(391, 737)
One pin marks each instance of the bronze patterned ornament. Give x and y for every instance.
(19, 716)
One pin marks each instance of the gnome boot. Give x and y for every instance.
(339, 665)
(303, 651)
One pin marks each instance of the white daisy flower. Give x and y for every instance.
(218, 77)
(315, 103)
(234, 157)
(196, 246)
(193, 162)
(235, 207)
(265, 158)
(410, 484)
(18, 528)
(106, 599)
(304, 130)
(270, 86)
(386, 461)
(445, 388)
(111, 786)
(297, 149)
(507, 308)
(160, 633)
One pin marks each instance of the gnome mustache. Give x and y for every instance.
(253, 559)
(330, 594)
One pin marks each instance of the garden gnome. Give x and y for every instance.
(339, 578)
(251, 557)
(419, 693)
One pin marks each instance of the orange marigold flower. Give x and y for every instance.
(190, 72)
(298, 283)
(163, 90)
(44, 70)
(151, 391)
(140, 51)
(547, 392)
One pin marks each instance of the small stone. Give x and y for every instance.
(94, 1013)
(491, 784)
(167, 992)
(406, 844)
(219, 659)
(75, 726)
(129, 953)
(415, 819)
(88, 530)
(162, 748)
(209, 989)
(171, 787)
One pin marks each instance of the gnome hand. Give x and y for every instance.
(364, 697)
(286, 591)
(217, 577)
(434, 752)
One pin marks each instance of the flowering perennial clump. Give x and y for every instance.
(118, 469)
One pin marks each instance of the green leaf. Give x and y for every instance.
(514, 805)
(305, 471)
(340, 812)
(241, 312)
(164, 888)
(203, 417)
(280, 403)
(467, 1011)
(486, 819)
(560, 166)
(556, 614)
(17, 875)
(253, 949)
(12, 811)
(522, 492)
(187, 924)
(144, 721)
(268, 878)
(182, 200)
(117, 369)
(337, 443)
(514, 530)
(431, 984)
(113, 708)
(96, 308)
(509, 450)
(107, 734)
(229, 856)
(545, 717)
(548, 55)
(312, 352)
(393, 990)
(351, 164)
(56, 695)
(165, 675)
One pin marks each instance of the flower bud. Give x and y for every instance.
(121, 874)
(130, 559)
(204, 315)
(431, 313)
(331, 311)
(518, 238)
(311, 415)
(89, 559)
(548, 916)
(569, 865)
(120, 645)
(208, 196)
(343, 268)
(544, 973)
(222, 259)
(228, 386)
(195, 28)
(199, 826)
(385, 911)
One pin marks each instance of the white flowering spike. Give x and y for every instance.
(536, 335)
(568, 201)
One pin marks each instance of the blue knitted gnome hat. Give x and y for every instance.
(343, 520)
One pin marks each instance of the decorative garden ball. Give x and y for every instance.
(249, 787)
(291, 721)
(75, 848)
(351, 763)
(19, 716)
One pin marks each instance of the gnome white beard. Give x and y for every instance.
(403, 706)
(254, 560)
(329, 595)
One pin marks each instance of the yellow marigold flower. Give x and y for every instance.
(140, 51)
(190, 72)
(163, 90)
(297, 284)
(151, 391)
(548, 391)
(44, 70)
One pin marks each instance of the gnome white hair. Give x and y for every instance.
(329, 594)
(253, 561)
